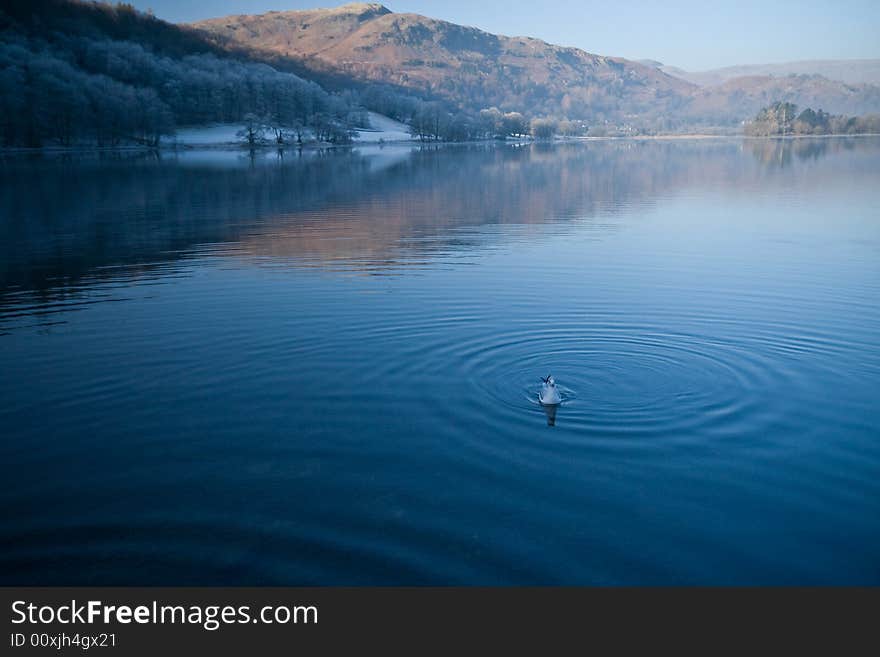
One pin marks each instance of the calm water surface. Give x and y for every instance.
(323, 368)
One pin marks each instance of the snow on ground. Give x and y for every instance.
(383, 128)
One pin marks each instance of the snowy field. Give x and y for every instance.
(382, 129)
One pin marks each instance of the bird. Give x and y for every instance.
(549, 395)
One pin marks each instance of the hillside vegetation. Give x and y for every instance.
(72, 72)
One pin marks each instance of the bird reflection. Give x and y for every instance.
(550, 410)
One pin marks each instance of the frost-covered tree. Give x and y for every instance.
(253, 133)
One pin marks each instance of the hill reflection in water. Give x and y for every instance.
(67, 217)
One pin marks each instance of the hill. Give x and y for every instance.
(89, 73)
(473, 69)
(463, 65)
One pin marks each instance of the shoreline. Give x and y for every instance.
(226, 147)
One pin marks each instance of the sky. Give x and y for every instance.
(694, 35)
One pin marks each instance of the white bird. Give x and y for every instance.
(549, 395)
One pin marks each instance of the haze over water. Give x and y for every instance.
(323, 368)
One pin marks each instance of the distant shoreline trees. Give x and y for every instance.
(782, 118)
(543, 129)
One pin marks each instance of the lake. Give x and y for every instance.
(323, 368)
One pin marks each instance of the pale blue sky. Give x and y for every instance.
(692, 34)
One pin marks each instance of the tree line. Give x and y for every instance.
(782, 118)
(67, 89)
(78, 78)
(430, 122)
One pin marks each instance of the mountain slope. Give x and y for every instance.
(473, 69)
(463, 65)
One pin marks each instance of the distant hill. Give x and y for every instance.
(463, 65)
(850, 71)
